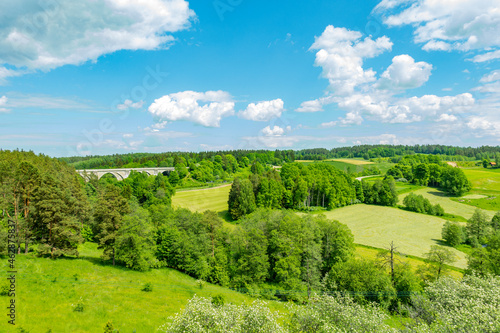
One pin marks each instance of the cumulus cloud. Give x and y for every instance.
(405, 73)
(340, 55)
(487, 56)
(206, 109)
(447, 118)
(372, 98)
(263, 111)
(128, 104)
(493, 76)
(275, 131)
(3, 103)
(46, 35)
(6, 73)
(315, 105)
(445, 25)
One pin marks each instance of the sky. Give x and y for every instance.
(102, 77)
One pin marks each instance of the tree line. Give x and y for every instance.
(429, 170)
(301, 186)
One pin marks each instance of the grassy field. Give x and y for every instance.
(351, 161)
(214, 199)
(367, 252)
(48, 291)
(450, 206)
(484, 181)
(377, 226)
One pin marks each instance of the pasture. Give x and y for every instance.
(367, 252)
(48, 291)
(484, 181)
(214, 199)
(450, 206)
(377, 226)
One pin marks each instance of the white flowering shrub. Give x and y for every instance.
(470, 305)
(200, 315)
(336, 314)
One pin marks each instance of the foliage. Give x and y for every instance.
(453, 233)
(337, 313)
(419, 204)
(241, 198)
(200, 315)
(478, 228)
(135, 244)
(148, 287)
(362, 280)
(469, 305)
(108, 217)
(382, 192)
(438, 258)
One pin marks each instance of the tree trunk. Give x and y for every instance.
(113, 256)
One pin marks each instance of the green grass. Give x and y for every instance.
(214, 199)
(489, 203)
(449, 205)
(377, 226)
(48, 290)
(370, 252)
(484, 181)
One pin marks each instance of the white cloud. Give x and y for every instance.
(328, 124)
(487, 56)
(489, 88)
(263, 111)
(447, 118)
(275, 131)
(445, 25)
(3, 103)
(493, 76)
(405, 73)
(483, 126)
(6, 73)
(186, 106)
(46, 35)
(128, 104)
(341, 53)
(315, 105)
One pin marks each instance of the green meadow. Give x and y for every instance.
(48, 292)
(377, 226)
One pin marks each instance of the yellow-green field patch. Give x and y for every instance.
(371, 253)
(214, 199)
(351, 161)
(377, 226)
(474, 196)
(483, 180)
(451, 207)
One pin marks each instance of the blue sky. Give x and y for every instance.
(118, 76)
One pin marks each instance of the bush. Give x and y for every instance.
(218, 300)
(200, 315)
(362, 280)
(148, 287)
(338, 313)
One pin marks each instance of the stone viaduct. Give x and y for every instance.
(121, 174)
